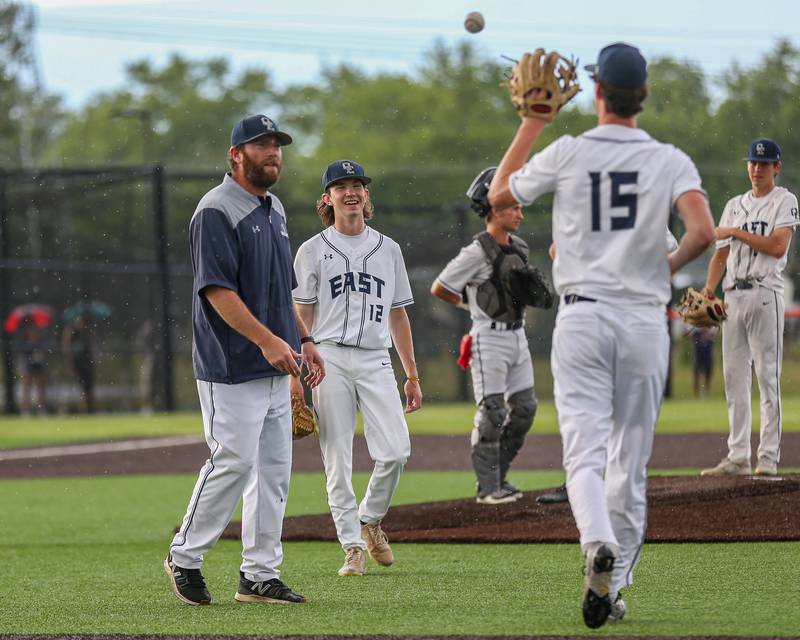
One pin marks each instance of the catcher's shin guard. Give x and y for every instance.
(519, 421)
(489, 422)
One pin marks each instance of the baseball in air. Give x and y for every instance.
(474, 22)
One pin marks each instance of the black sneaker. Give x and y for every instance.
(555, 496)
(596, 598)
(187, 584)
(272, 590)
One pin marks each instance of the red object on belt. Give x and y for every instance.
(465, 351)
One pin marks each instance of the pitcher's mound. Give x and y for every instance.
(680, 509)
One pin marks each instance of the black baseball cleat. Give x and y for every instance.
(507, 486)
(596, 598)
(555, 496)
(188, 585)
(273, 591)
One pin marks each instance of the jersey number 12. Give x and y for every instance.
(618, 179)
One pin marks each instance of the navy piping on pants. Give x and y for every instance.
(778, 359)
(210, 471)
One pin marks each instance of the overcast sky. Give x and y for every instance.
(83, 45)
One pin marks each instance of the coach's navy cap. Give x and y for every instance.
(764, 150)
(619, 65)
(342, 169)
(252, 127)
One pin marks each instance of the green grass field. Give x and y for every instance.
(83, 555)
(677, 416)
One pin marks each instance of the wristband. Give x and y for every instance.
(305, 339)
(412, 378)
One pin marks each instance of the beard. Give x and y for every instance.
(259, 175)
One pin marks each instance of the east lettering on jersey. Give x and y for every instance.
(360, 284)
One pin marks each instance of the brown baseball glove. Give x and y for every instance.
(702, 310)
(541, 83)
(303, 422)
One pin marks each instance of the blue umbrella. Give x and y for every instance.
(91, 310)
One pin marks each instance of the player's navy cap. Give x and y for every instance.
(252, 127)
(342, 169)
(619, 65)
(764, 150)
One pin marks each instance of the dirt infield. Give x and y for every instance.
(680, 509)
(428, 453)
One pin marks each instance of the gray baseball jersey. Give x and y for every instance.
(467, 271)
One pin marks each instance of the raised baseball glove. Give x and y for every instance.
(700, 309)
(541, 83)
(303, 422)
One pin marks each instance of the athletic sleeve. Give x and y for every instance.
(307, 288)
(786, 215)
(725, 221)
(672, 242)
(539, 175)
(461, 270)
(402, 287)
(686, 178)
(215, 250)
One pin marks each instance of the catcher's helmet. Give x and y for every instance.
(478, 192)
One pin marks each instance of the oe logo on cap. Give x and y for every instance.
(269, 124)
(348, 167)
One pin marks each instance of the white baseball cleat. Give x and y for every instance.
(355, 562)
(766, 468)
(728, 468)
(600, 558)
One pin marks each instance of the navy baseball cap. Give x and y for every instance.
(619, 65)
(342, 169)
(252, 127)
(764, 150)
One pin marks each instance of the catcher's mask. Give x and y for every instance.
(478, 192)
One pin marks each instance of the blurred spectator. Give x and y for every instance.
(33, 351)
(144, 344)
(702, 358)
(77, 343)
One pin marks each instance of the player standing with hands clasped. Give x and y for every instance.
(615, 187)
(753, 237)
(496, 349)
(245, 343)
(352, 291)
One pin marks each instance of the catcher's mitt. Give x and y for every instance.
(702, 310)
(529, 287)
(303, 422)
(551, 73)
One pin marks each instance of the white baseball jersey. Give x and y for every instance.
(353, 281)
(614, 189)
(759, 216)
(468, 270)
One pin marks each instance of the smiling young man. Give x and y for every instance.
(246, 339)
(352, 292)
(753, 237)
(497, 351)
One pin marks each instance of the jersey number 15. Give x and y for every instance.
(618, 200)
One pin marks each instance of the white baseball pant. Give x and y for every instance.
(364, 379)
(753, 333)
(500, 363)
(609, 369)
(248, 428)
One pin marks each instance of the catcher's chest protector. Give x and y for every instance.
(491, 296)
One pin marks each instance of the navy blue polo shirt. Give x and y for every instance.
(240, 242)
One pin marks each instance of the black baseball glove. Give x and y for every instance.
(529, 287)
(478, 192)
